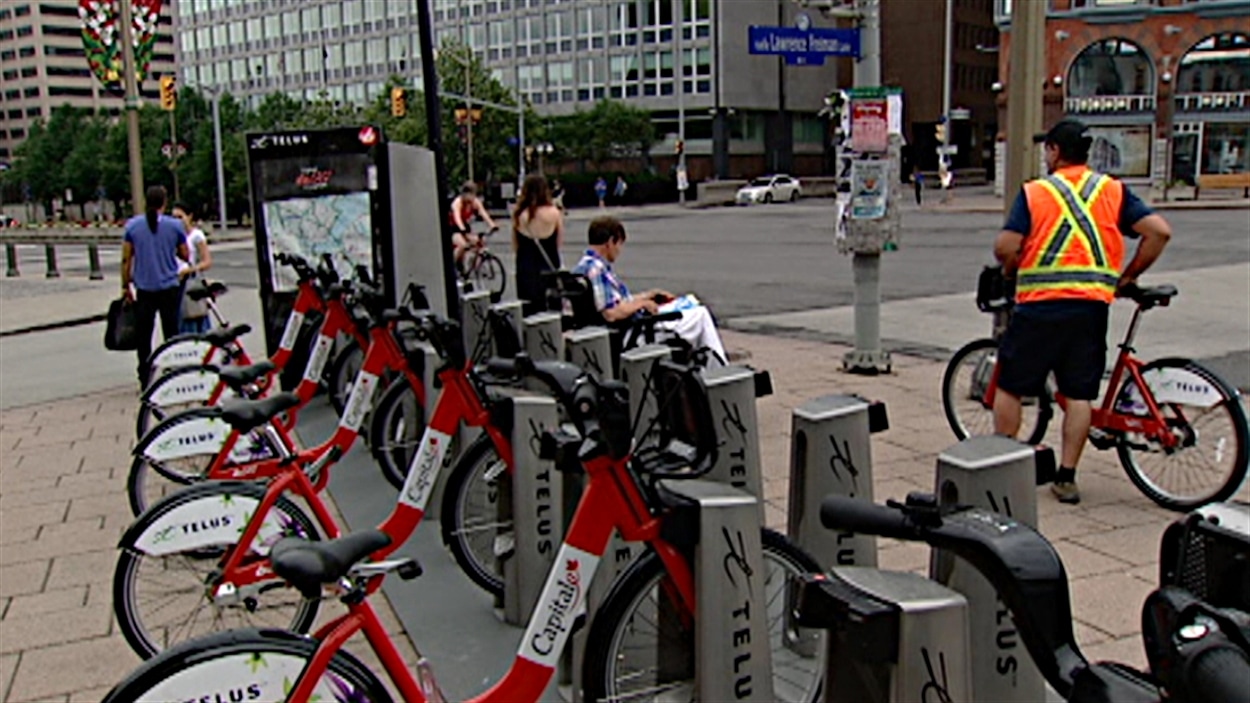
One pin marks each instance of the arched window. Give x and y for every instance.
(1111, 67)
(1218, 64)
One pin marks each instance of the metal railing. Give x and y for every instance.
(50, 240)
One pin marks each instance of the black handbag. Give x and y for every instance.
(121, 334)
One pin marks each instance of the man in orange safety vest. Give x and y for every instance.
(1064, 242)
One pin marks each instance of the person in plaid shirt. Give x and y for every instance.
(606, 237)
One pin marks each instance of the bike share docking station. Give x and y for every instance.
(831, 454)
(543, 338)
(999, 474)
(532, 501)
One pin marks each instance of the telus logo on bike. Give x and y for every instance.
(187, 438)
(424, 469)
(558, 606)
(235, 695)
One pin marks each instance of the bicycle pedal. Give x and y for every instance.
(1101, 439)
(409, 570)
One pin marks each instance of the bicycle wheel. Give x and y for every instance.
(395, 430)
(162, 601)
(472, 526)
(245, 665)
(625, 637)
(342, 374)
(149, 481)
(963, 390)
(488, 274)
(194, 383)
(1209, 464)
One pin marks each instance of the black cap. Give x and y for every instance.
(1066, 133)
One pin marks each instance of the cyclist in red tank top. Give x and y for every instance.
(463, 209)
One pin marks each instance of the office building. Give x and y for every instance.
(1163, 84)
(44, 65)
(745, 114)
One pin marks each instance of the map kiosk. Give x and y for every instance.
(345, 192)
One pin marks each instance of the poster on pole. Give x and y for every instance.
(870, 131)
(869, 189)
(683, 181)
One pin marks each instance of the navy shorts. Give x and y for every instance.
(1066, 337)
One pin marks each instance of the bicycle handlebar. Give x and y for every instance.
(1017, 560)
(1219, 673)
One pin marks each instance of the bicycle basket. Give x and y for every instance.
(1207, 553)
(681, 441)
(994, 292)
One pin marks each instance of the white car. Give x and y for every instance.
(770, 189)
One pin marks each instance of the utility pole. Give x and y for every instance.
(1024, 94)
(131, 83)
(221, 171)
(434, 127)
(868, 356)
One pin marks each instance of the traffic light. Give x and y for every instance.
(169, 93)
(939, 132)
(399, 102)
(679, 147)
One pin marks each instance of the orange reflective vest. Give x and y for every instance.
(1075, 250)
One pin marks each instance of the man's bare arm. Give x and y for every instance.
(1007, 250)
(627, 308)
(1155, 233)
(128, 252)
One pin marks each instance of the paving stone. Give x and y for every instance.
(1079, 561)
(99, 482)
(107, 506)
(15, 535)
(61, 544)
(85, 568)
(1136, 545)
(63, 669)
(19, 579)
(903, 556)
(72, 598)
(71, 528)
(8, 665)
(1126, 650)
(51, 628)
(1128, 514)
(1110, 602)
(41, 514)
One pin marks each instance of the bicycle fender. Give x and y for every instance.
(188, 433)
(181, 352)
(203, 515)
(1176, 384)
(185, 384)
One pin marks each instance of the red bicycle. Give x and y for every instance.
(621, 493)
(1178, 428)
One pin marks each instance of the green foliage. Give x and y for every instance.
(87, 152)
(609, 130)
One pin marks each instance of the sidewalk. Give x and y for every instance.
(62, 509)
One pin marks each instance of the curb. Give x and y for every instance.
(49, 326)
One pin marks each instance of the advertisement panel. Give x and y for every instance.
(1121, 150)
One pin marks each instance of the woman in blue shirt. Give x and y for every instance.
(154, 244)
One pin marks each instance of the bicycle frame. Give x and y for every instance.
(459, 402)
(611, 500)
(1106, 417)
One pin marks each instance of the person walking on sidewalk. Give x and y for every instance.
(537, 235)
(1064, 242)
(601, 191)
(153, 246)
(619, 190)
(201, 260)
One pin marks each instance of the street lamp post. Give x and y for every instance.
(221, 171)
(130, 81)
(947, 59)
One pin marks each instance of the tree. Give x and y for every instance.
(609, 130)
(492, 155)
(81, 172)
(276, 111)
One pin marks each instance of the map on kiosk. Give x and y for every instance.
(309, 227)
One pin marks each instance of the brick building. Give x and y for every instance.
(1163, 84)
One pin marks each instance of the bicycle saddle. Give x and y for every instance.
(559, 377)
(222, 337)
(1150, 297)
(236, 377)
(247, 415)
(206, 290)
(307, 565)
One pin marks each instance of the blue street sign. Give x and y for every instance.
(803, 47)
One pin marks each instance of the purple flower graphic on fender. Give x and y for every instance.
(101, 38)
